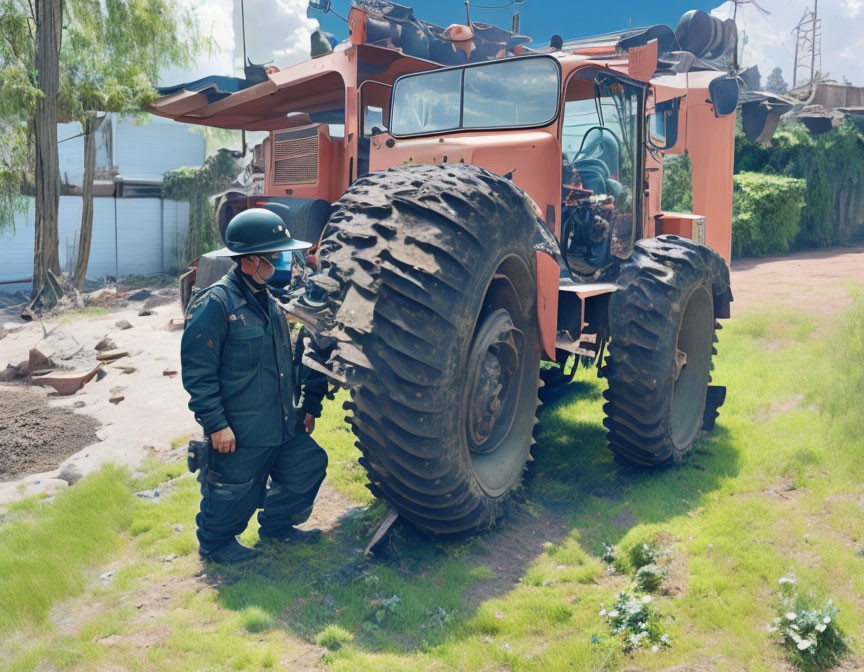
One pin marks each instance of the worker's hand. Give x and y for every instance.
(223, 440)
(309, 423)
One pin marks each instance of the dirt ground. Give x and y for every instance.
(815, 280)
(37, 437)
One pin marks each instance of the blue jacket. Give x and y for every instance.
(237, 364)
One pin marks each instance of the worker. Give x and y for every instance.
(237, 368)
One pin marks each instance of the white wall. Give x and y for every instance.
(150, 235)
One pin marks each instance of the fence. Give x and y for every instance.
(131, 236)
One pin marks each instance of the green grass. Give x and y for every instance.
(83, 314)
(775, 490)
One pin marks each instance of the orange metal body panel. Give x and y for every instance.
(532, 156)
(528, 154)
(548, 274)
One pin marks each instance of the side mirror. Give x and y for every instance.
(663, 125)
(724, 95)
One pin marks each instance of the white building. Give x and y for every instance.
(135, 231)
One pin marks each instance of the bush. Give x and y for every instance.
(334, 638)
(649, 578)
(766, 213)
(808, 630)
(832, 164)
(632, 620)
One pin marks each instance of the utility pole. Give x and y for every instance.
(808, 42)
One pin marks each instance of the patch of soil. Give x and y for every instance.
(511, 547)
(814, 281)
(35, 437)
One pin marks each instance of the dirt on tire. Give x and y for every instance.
(34, 437)
(417, 252)
(647, 316)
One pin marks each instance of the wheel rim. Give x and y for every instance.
(500, 397)
(493, 365)
(691, 368)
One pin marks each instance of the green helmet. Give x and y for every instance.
(257, 231)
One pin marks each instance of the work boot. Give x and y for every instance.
(294, 536)
(231, 553)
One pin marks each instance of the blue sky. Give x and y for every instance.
(543, 18)
(278, 30)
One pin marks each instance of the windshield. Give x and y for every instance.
(513, 93)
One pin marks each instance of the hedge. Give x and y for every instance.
(766, 211)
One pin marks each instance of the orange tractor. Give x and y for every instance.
(492, 215)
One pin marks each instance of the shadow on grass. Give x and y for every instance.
(419, 587)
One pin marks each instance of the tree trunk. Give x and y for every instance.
(91, 126)
(46, 260)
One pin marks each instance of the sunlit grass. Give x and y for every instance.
(776, 489)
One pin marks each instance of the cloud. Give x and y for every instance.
(277, 31)
(768, 40)
(853, 7)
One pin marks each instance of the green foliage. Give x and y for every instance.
(832, 165)
(110, 59)
(766, 212)
(334, 638)
(633, 621)
(808, 629)
(677, 184)
(197, 185)
(649, 578)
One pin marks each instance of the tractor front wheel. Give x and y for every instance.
(437, 337)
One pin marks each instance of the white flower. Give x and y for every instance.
(790, 616)
(505, 646)
(655, 649)
(664, 638)
(786, 579)
(603, 612)
(826, 620)
(646, 599)
(613, 613)
(804, 644)
(821, 627)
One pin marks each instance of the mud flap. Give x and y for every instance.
(713, 401)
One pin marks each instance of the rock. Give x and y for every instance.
(170, 557)
(125, 369)
(70, 473)
(111, 355)
(107, 576)
(117, 389)
(140, 295)
(148, 494)
(116, 399)
(67, 382)
(169, 372)
(38, 360)
(106, 344)
(110, 640)
(8, 374)
(178, 528)
(123, 325)
(145, 313)
(176, 324)
(79, 404)
(3, 333)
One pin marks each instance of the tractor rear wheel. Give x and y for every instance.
(662, 321)
(437, 337)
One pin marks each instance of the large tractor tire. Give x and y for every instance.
(662, 322)
(437, 337)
